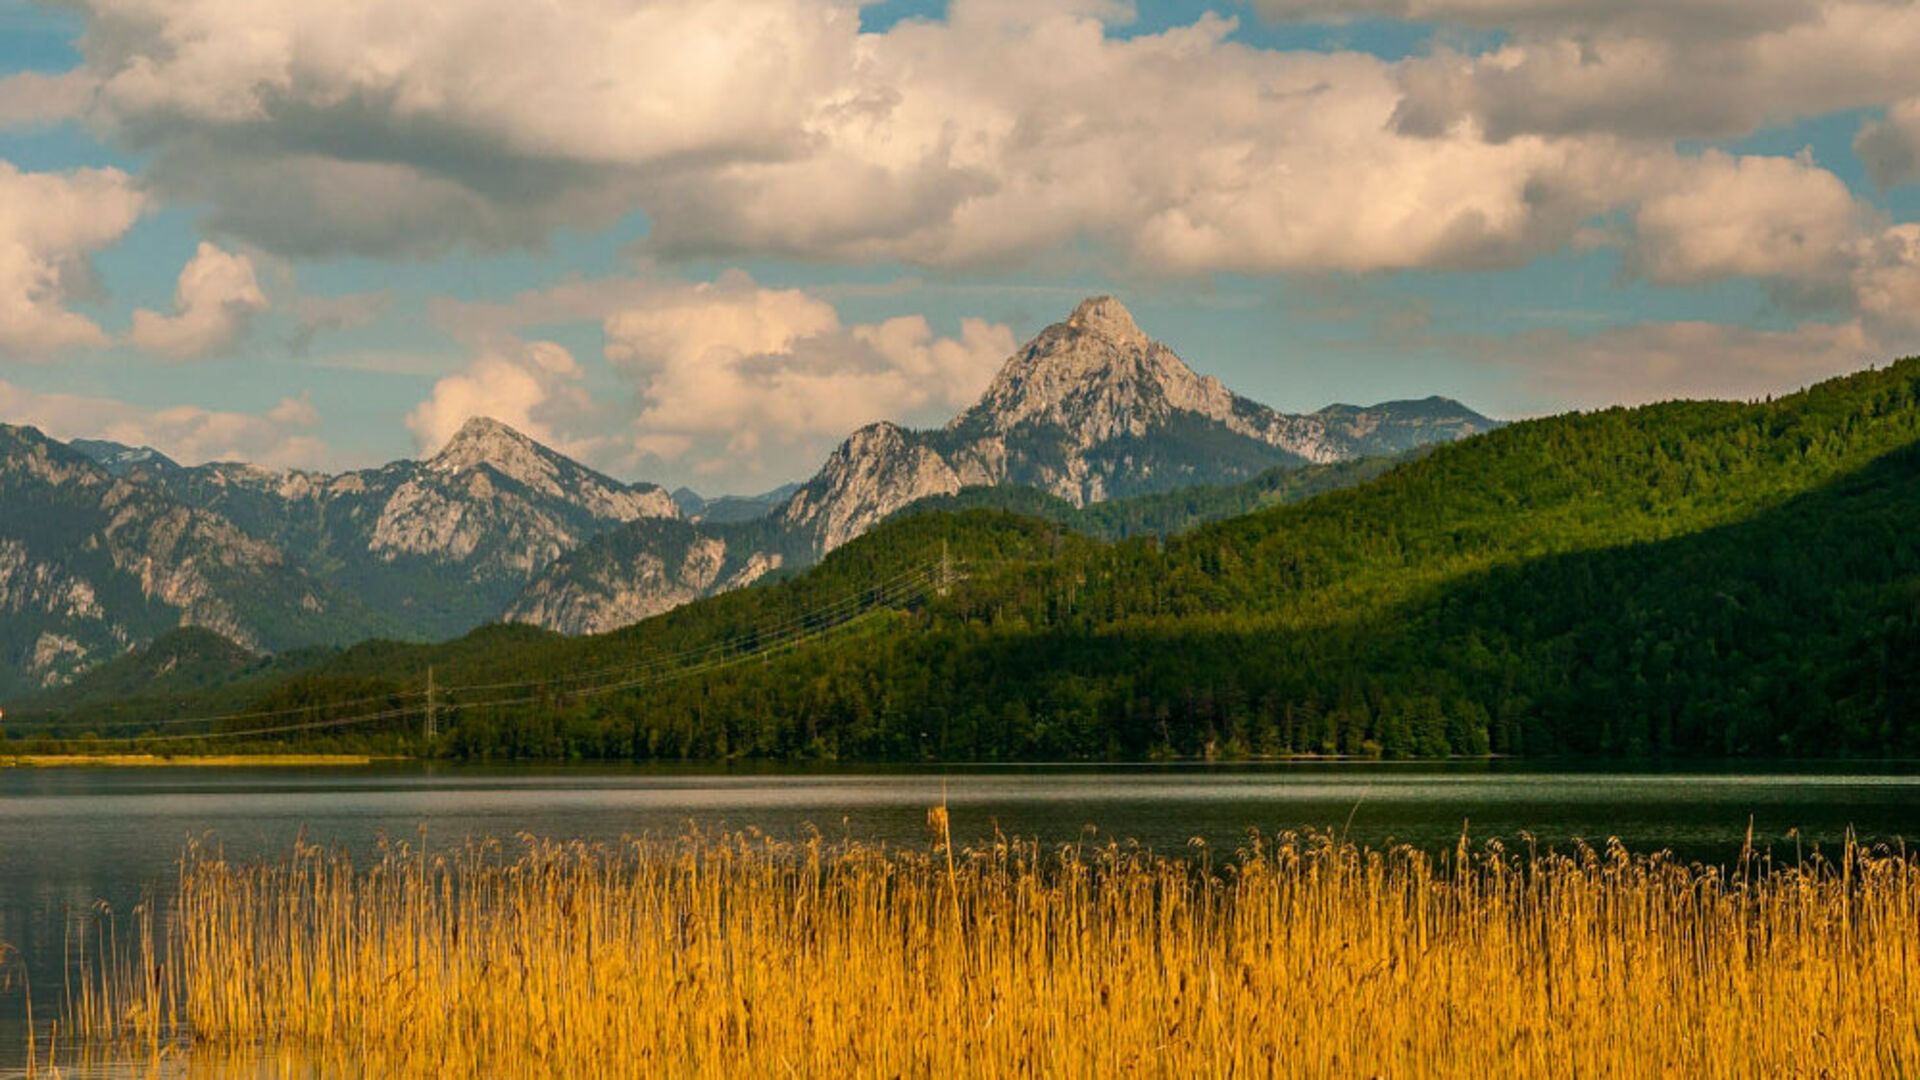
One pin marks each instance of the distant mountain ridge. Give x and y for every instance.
(437, 545)
(92, 564)
(1090, 409)
(730, 509)
(1685, 580)
(105, 546)
(119, 459)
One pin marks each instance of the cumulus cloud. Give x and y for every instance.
(214, 304)
(35, 98)
(1716, 16)
(525, 385)
(744, 371)
(279, 438)
(1631, 365)
(776, 127)
(730, 380)
(51, 224)
(1767, 217)
(316, 315)
(1887, 280)
(1697, 69)
(1890, 148)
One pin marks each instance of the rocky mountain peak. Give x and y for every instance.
(481, 440)
(1097, 376)
(486, 441)
(121, 459)
(1106, 317)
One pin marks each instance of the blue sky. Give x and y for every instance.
(697, 241)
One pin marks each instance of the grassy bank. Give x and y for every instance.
(737, 955)
(147, 760)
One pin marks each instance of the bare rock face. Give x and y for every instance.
(92, 564)
(878, 470)
(643, 570)
(437, 546)
(103, 546)
(1090, 409)
(503, 505)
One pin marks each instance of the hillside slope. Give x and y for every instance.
(92, 564)
(438, 545)
(1688, 578)
(1091, 410)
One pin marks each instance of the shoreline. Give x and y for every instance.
(45, 761)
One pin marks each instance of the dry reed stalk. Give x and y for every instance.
(729, 955)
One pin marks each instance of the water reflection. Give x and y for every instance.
(72, 837)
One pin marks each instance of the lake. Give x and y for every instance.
(70, 837)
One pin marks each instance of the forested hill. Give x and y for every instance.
(1166, 513)
(1687, 578)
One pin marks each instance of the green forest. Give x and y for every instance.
(1682, 579)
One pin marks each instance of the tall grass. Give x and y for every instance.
(737, 955)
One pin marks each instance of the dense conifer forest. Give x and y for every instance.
(1691, 578)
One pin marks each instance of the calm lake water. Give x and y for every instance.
(72, 837)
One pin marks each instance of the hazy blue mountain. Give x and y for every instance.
(730, 509)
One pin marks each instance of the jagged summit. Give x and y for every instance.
(119, 458)
(1090, 409)
(482, 439)
(1107, 317)
(1096, 376)
(486, 441)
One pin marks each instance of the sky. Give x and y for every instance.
(700, 241)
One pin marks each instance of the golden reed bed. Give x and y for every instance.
(736, 955)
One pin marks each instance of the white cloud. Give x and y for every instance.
(526, 386)
(1697, 69)
(1558, 369)
(50, 226)
(1008, 132)
(214, 304)
(776, 127)
(732, 381)
(295, 412)
(1185, 151)
(1718, 16)
(186, 433)
(1891, 147)
(1768, 217)
(34, 98)
(1887, 280)
(750, 377)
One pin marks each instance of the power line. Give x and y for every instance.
(344, 721)
(702, 658)
(268, 714)
(851, 600)
(789, 633)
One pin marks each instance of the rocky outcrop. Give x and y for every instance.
(438, 546)
(92, 564)
(875, 472)
(643, 570)
(105, 546)
(1091, 409)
